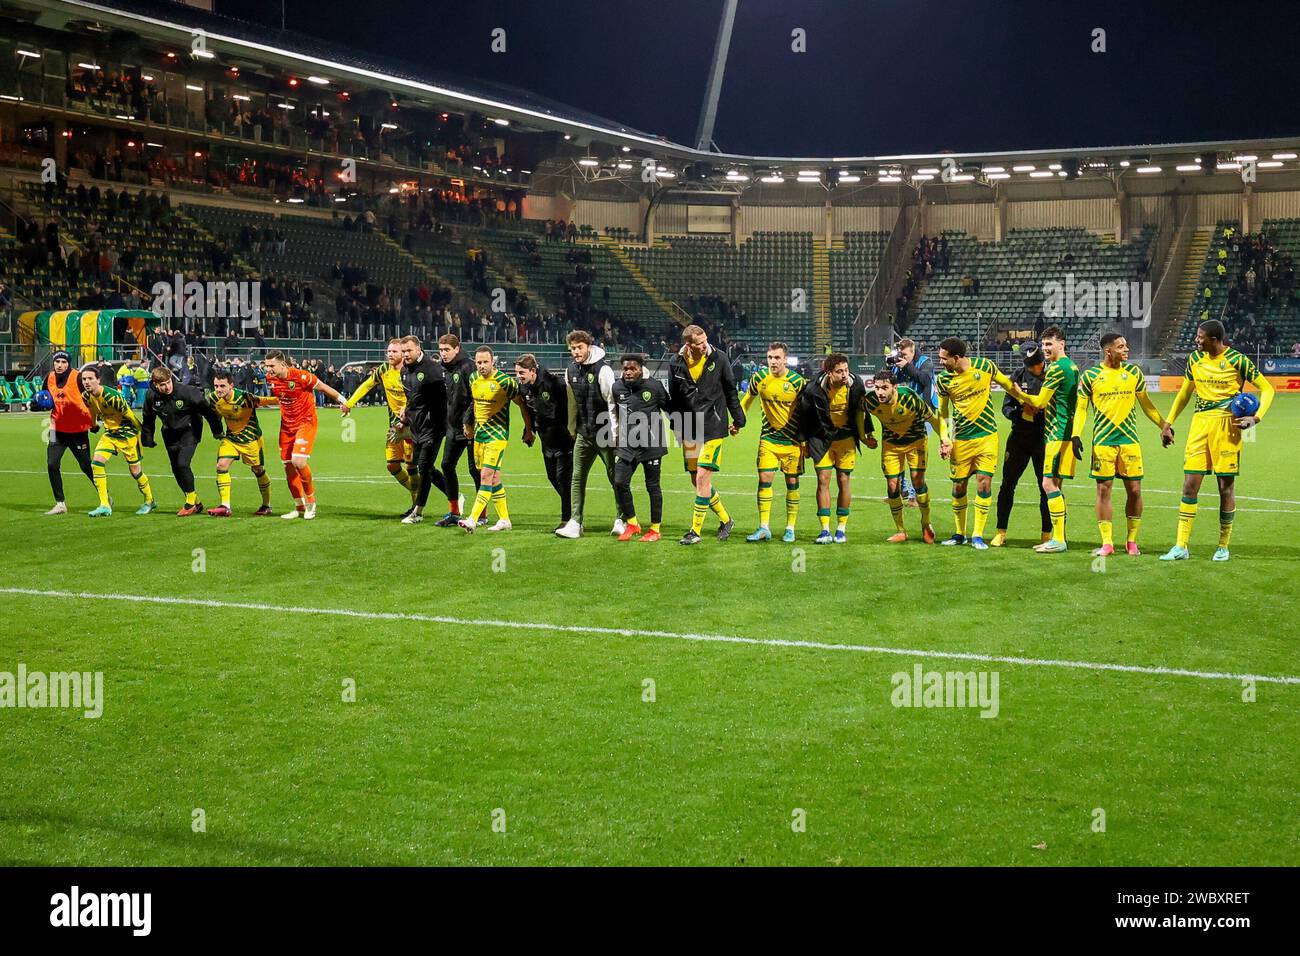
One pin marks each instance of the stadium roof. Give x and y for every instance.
(171, 22)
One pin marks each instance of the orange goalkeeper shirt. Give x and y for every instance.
(297, 403)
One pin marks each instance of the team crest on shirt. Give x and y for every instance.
(419, 376)
(645, 396)
(455, 377)
(977, 376)
(710, 367)
(179, 403)
(546, 396)
(590, 378)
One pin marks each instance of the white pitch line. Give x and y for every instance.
(637, 632)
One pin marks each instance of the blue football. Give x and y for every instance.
(1245, 404)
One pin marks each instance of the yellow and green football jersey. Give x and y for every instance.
(777, 397)
(239, 413)
(1218, 379)
(491, 395)
(1061, 382)
(903, 420)
(111, 408)
(1113, 393)
(970, 395)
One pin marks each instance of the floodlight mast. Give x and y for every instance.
(709, 112)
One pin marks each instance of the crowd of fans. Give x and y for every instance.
(929, 255)
(1259, 280)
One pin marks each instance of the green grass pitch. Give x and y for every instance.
(495, 743)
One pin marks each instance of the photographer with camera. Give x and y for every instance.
(917, 373)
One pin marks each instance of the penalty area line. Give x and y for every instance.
(640, 632)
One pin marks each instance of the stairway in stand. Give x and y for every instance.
(821, 295)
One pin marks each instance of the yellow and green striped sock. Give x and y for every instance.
(100, 477)
(791, 504)
(1133, 525)
(895, 503)
(1225, 526)
(959, 514)
(715, 504)
(223, 488)
(824, 516)
(480, 503)
(698, 512)
(499, 503)
(1056, 509)
(923, 502)
(841, 518)
(264, 486)
(764, 503)
(142, 481)
(982, 500)
(1186, 518)
(1107, 533)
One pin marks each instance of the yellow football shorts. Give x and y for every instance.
(400, 450)
(128, 448)
(1117, 461)
(1059, 460)
(895, 459)
(1213, 446)
(774, 456)
(490, 454)
(973, 456)
(708, 456)
(249, 452)
(842, 456)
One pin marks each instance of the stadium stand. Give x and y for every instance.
(759, 274)
(1011, 276)
(1256, 295)
(853, 262)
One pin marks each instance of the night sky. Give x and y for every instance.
(878, 77)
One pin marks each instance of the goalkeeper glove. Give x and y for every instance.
(1077, 442)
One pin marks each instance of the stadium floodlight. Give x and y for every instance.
(123, 116)
(1270, 163)
(666, 174)
(29, 54)
(155, 145)
(203, 54)
(194, 87)
(241, 97)
(962, 178)
(588, 161)
(773, 178)
(1054, 166)
(923, 177)
(929, 171)
(1284, 156)
(624, 166)
(318, 80)
(1246, 158)
(89, 66)
(850, 178)
(808, 172)
(998, 175)
(1042, 174)
(501, 122)
(808, 179)
(889, 179)
(11, 98)
(1023, 169)
(285, 106)
(627, 149)
(1229, 166)
(1148, 169)
(296, 199)
(147, 77)
(388, 126)
(1188, 168)
(1124, 163)
(994, 169)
